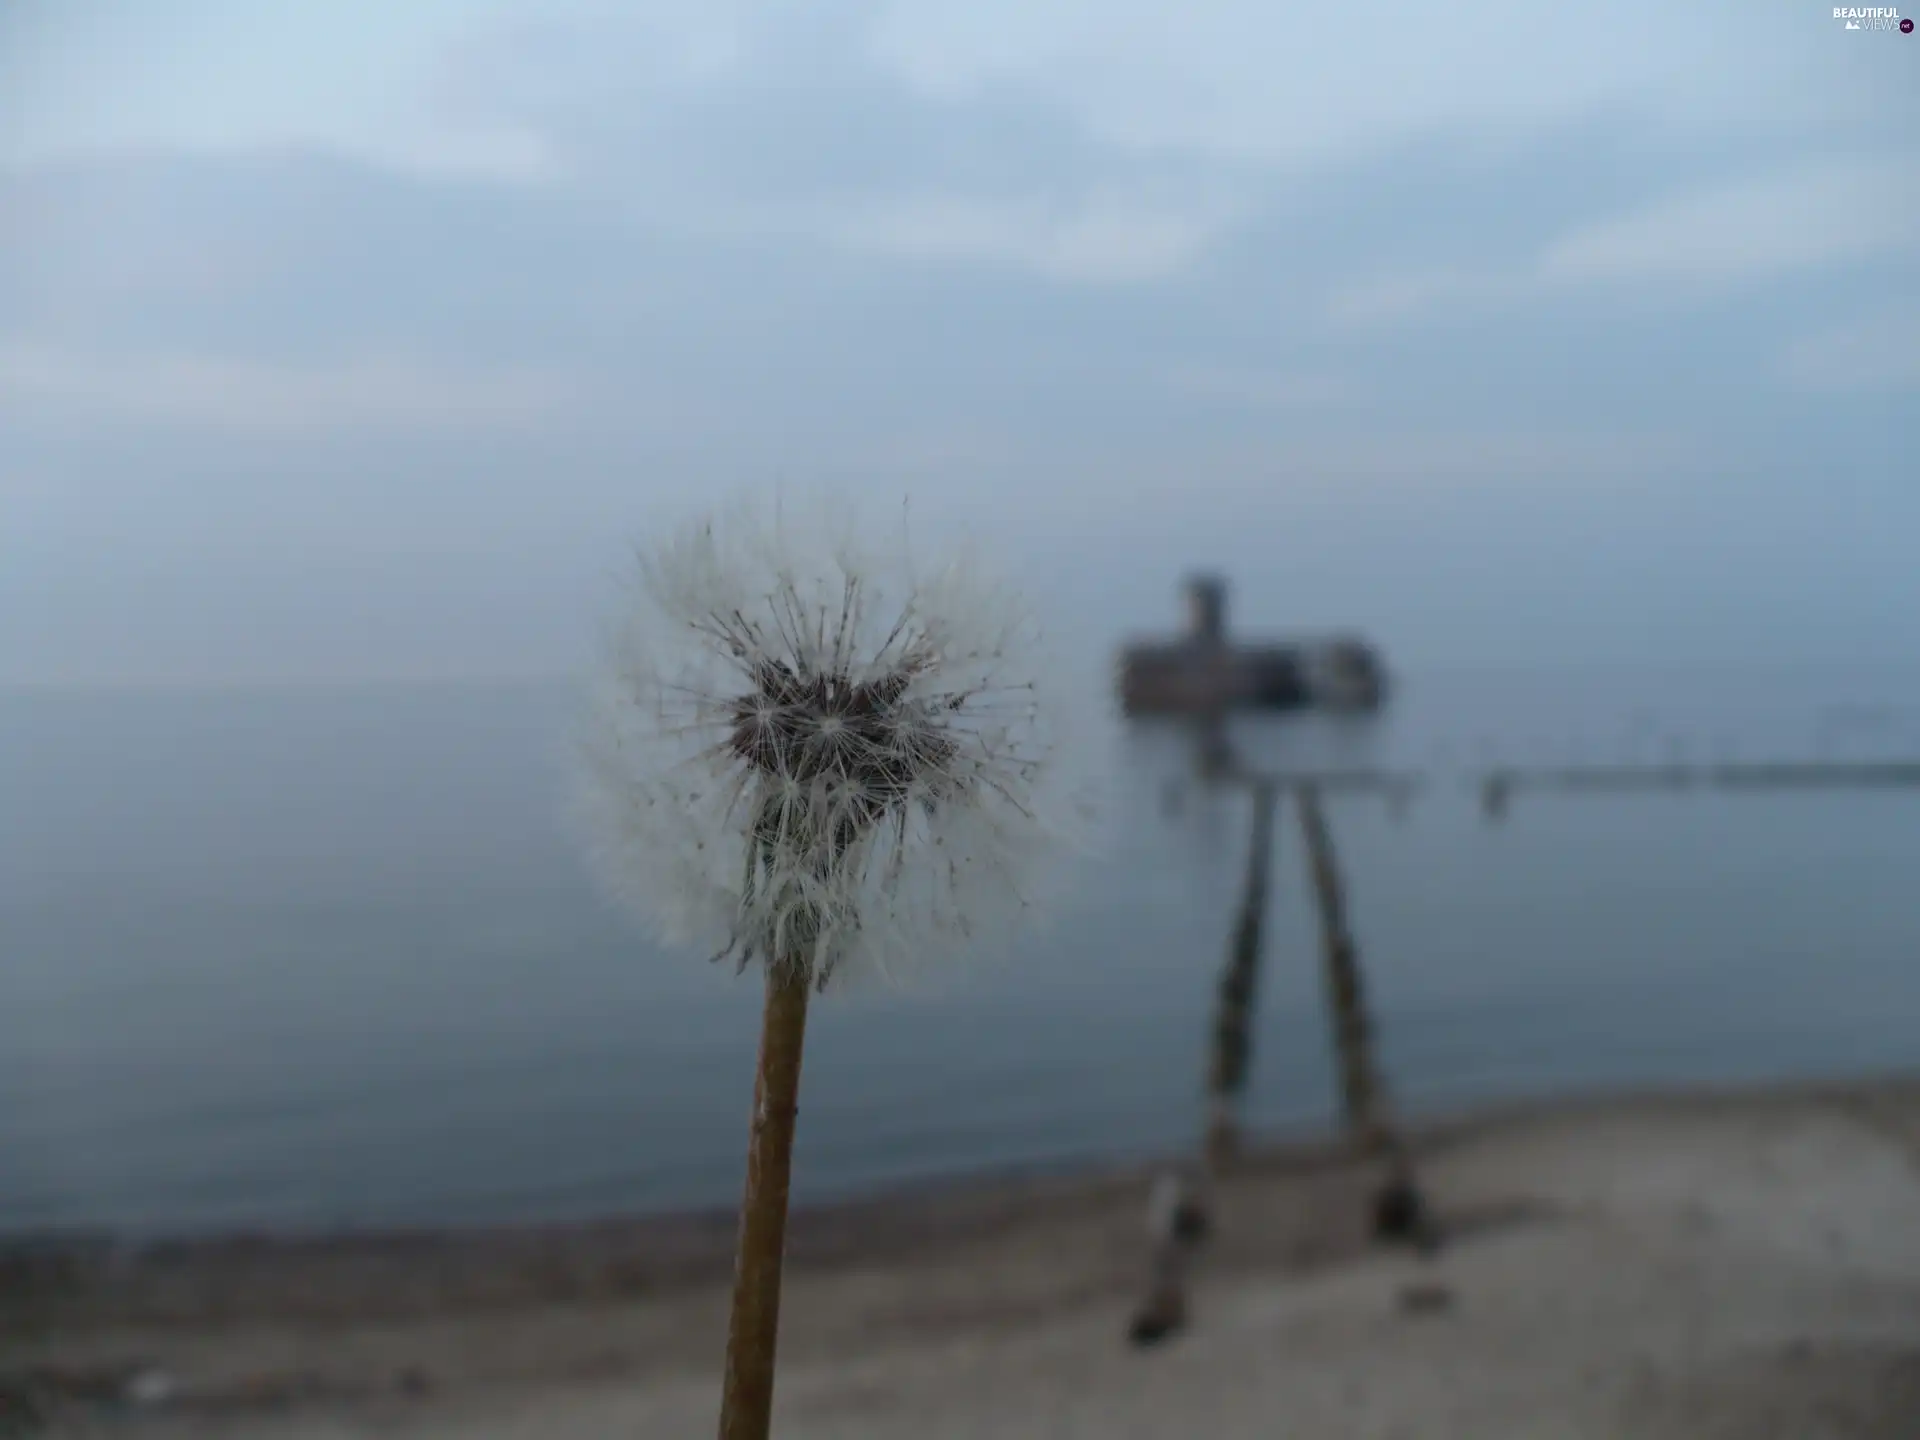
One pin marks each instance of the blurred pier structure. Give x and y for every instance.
(1400, 1211)
(1181, 1206)
(1204, 672)
(1498, 786)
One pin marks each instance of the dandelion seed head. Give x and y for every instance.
(808, 750)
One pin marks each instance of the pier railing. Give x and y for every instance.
(1510, 780)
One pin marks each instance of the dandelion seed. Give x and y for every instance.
(792, 732)
(807, 752)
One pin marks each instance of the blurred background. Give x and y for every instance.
(1568, 356)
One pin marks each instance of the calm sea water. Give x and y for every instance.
(325, 958)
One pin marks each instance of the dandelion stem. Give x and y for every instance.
(746, 1403)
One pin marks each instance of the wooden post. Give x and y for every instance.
(1239, 982)
(1399, 1211)
(1180, 1209)
(1346, 1003)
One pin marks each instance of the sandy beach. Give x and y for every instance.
(1673, 1267)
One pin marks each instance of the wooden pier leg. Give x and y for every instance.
(1400, 1211)
(1180, 1211)
(1177, 1221)
(1239, 984)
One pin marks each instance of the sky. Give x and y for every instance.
(355, 340)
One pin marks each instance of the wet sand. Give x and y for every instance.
(1673, 1267)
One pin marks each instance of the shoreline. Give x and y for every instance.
(1667, 1264)
(352, 1274)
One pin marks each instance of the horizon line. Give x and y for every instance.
(1461, 665)
(209, 684)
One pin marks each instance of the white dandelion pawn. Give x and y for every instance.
(812, 754)
(806, 752)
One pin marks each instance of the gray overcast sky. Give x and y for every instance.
(353, 338)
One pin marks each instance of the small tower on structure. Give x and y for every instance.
(1207, 610)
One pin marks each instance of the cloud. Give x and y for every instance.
(1094, 241)
(1319, 84)
(351, 79)
(1260, 388)
(1335, 467)
(1390, 298)
(1751, 230)
(1495, 457)
(1880, 352)
(1719, 237)
(1072, 269)
(783, 127)
(224, 393)
(503, 155)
